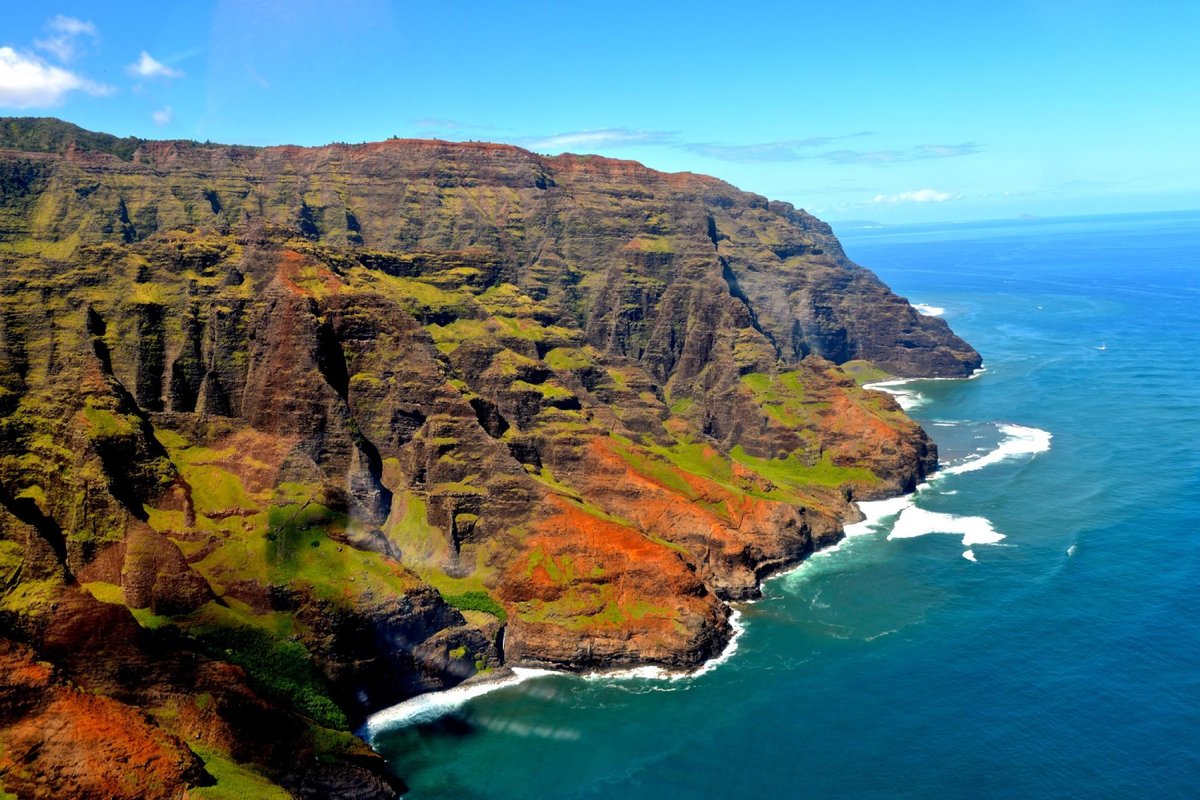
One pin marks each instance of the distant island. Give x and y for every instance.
(293, 434)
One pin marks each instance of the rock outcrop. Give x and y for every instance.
(288, 435)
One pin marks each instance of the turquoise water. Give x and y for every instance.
(897, 668)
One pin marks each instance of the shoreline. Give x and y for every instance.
(432, 705)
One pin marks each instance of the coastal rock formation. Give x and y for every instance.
(288, 435)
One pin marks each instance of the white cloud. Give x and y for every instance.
(62, 43)
(71, 26)
(162, 116)
(917, 196)
(27, 81)
(149, 67)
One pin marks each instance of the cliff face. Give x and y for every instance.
(319, 429)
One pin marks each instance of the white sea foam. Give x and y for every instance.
(650, 672)
(928, 310)
(1018, 441)
(906, 397)
(876, 511)
(426, 707)
(914, 522)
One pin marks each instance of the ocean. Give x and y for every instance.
(1027, 625)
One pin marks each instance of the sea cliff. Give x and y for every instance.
(292, 434)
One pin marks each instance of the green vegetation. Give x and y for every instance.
(106, 592)
(792, 472)
(654, 466)
(589, 605)
(864, 372)
(647, 243)
(105, 423)
(234, 781)
(421, 298)
(784, 398)
(12, 554)
(569, 359)
(422, 543)
(281, 670)
(31, 597)
(50, 135)
(476, 601)
(549, 390)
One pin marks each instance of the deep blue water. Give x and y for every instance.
(897, 668)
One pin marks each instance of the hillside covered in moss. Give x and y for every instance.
(289, 435)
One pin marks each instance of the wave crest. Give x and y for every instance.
(1019, 440)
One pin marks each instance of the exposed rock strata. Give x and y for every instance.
(290, 435)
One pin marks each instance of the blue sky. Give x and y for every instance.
(887, 111)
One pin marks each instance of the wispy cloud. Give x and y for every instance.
(257, 78)
(27, 81)
(781, 151)
(442, 124)
(148, 67)
(916, 196)
(162, 116)
(945, 150)
(63, 41)
(759, 152)
(766, 152)
(921, 151)
(598, 138)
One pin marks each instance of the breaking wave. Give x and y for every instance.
(1018, 441)
(428, 707)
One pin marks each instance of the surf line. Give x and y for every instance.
(912, 521)
(432, 705)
